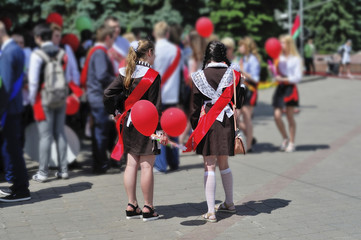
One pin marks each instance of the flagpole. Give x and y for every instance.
(301, 28)
(289, 16)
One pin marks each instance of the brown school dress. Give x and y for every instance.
(219, 140)
(134, 142)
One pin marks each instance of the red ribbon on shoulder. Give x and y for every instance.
(208, 119)
(168, 73)
(84, 72)
(135, 96)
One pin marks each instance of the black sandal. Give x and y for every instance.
(133, 214)
(149, 216)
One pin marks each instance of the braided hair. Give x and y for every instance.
(217, 52)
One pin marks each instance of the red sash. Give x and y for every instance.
(207, 120)
(135, 96)
(38, 110)
(171, 68)
(84, 72)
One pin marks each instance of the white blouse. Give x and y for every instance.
(291, 67)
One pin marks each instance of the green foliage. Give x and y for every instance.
(335, 22)
(332, 23)
(246, 18)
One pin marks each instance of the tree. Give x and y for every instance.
(333, 23)
(246, 18)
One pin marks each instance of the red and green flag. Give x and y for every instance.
(295, 32)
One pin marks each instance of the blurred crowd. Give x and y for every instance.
(178, 55)
(90, 63)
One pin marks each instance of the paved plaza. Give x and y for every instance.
(314, 193)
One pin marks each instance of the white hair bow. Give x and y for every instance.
(134, 45)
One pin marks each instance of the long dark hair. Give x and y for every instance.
(217, 52)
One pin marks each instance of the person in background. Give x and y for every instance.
(286, 94)
(168, 64)
(72, 70)
(100, 74)
(19, 39)
(11, 107)
(86, 42)
(198, 46)
(345, 51)
(27, 115)
(50, 121)
(251, 68)
(230, 45)
(309, 52)
(118, 52)
(129, 36)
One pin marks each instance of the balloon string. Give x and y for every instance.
(170, 144)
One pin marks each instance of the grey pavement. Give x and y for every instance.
(314, 193)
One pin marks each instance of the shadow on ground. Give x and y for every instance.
(52, 193)
(269, 147)
(251, 208)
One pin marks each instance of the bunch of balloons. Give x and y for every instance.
(145, 119)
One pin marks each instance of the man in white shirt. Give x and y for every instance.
(166, 56)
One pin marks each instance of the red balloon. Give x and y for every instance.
(145, 117)
(273, 47)
(204, 26)
(72, 105)
(55, 18)
(173, 121)
(72, 40)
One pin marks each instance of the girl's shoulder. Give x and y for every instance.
(139, 72)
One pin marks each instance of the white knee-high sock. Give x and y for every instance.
(227, 180)
(210, 189)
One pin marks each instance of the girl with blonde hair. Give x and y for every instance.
(251, 68)
(286, 94)
(140, 149)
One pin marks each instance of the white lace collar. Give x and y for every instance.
(202, 84)
(138, 73)
(200, 81)
(216, 64)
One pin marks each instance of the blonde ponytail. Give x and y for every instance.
(131, 62)
(133, 56)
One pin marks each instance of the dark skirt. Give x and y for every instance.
(251, 95)
(136, 143)
(286, 95)
(219, 140)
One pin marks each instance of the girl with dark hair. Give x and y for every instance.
(140, 149)
(211, 111)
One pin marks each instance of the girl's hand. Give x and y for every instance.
(164, 139)
(279, 78)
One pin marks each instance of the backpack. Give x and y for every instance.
(55, 90)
